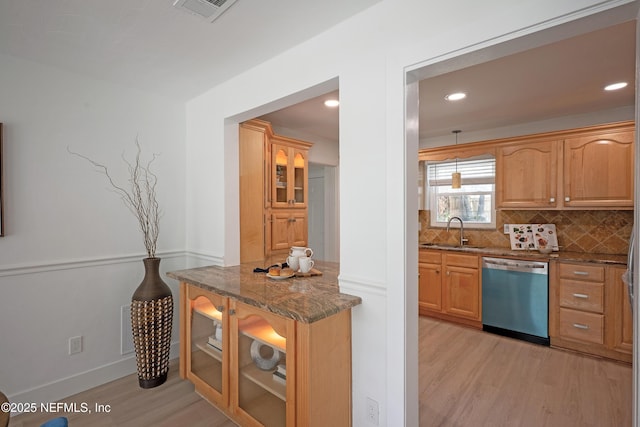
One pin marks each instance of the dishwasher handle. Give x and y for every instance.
(536, 267)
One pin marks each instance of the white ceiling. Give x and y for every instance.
(151, 45)
(559, 79)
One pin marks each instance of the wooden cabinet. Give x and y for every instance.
(461, 286)
(449, 286)
(621, 320)
(587, 311)
(288, 228)
(258, 396)
(254, 189)
(290, 171)
(598, 170)
(585, 168)
(263, 369)
(429, 281)
(527, 175)
(203, 330)
(581, 302)
(274, 190)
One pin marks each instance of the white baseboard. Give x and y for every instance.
(65, 387)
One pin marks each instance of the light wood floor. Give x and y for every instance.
(467, 378)
(173, 404)
(473, 378)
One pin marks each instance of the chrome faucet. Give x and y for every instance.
(462, 239)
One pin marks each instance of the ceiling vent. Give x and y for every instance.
(206, 9)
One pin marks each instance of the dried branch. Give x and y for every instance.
(140, 198)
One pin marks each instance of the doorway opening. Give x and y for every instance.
(305, 118)
(432, 80)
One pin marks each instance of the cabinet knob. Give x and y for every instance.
(552, 200)
(232, 312)
(220, 308)
(437, 271)
(567, 199)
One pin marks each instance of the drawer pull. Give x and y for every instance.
(583, 296)
(580, 326)
(580, 273)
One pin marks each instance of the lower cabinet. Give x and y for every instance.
(590, 311)
(263, 369)
(288, 228)
(449, 287)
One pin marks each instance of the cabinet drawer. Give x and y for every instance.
(582, 295)
(429, 257)
(582, 326)
(582, 272)
(460, 260)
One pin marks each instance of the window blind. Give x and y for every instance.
(478, 171)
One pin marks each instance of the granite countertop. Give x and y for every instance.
(534, 255)
(305, 299)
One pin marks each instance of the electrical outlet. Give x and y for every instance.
(373, 412)
(75, 345)
(506, 229)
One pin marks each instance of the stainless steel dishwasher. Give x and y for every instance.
(515, 298)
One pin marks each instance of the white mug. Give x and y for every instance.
(293, 262)
(300, 251)
(306, 264)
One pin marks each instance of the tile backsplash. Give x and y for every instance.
(605, 232)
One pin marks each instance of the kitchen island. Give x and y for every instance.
(260, 348)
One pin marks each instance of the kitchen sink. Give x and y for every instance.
(447, 246)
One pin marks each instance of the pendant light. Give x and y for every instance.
(456, 178)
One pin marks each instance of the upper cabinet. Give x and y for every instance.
(598, 170)
(517, 164)
(586, 168)
(290, 171)
(589, 168)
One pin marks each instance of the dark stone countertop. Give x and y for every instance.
(534, 255)
(305, 299)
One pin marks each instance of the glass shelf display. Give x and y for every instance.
(206, 342)
(262, 383)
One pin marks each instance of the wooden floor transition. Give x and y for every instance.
(467, 378)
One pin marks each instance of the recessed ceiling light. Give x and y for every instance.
(331, 103)
(455, 96)
(616, 86)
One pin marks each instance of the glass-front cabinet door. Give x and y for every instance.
(262, 368)
(280, 163)
(299, 178)
(207, 336)
(290, 176)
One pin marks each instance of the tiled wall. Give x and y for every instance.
(605, 232)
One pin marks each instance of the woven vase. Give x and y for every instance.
(151, 322)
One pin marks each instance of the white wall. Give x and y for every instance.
(71, 248)
(71, 255)
(370, 54)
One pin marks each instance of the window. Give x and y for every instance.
(474, 201)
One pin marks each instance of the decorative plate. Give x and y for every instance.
(280, 277)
